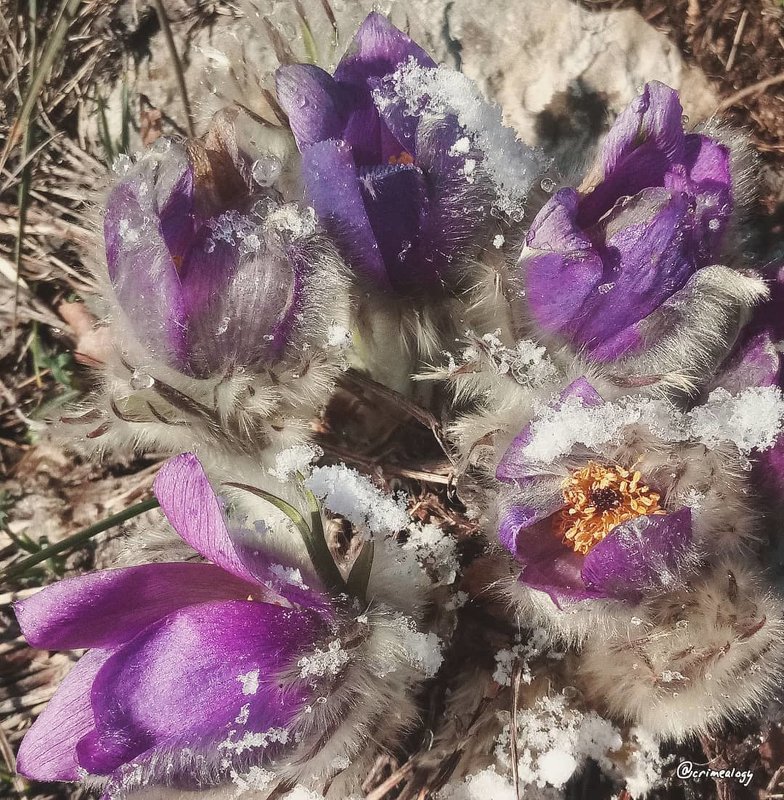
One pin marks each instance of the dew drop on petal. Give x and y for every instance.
(141, 380)
(266, 170)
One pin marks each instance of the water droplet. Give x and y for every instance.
(606, 287)
(268, 337)
(685, 119)
(682, 624)
(714, 224)
(547, 184)
(141, 380)
(636, 621)
(266, 170)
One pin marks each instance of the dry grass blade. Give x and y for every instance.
(54, 44)
(177, 63)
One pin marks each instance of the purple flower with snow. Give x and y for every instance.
(601, 501)
(208, 270)
(626, 266)
(399, 192)
(193, 668)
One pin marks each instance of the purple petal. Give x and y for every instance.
(316, 104)
(706, 175)
(521, 517)
(378, 49)
(396, 202)
(514, 466)
(48, 750)
(756, 362)
(562, 269)
(333, 189)
(637, 555)
(195, 512)
(547, 564)
(654, 116)
(645, 262)
(110, 607)
(141, 266)
(179, 683)
(192, 507)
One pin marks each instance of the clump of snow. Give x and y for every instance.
(234, 229)
(436, 550)
(290, 575)
(289, 219)
(421, 650)
(498, 241)
(527, 362)
(255, 779)
(344, 491)
(244, 715)
(482, 785)
(752, 420)
(302, 793)
(555, 740)
(338, 336)
(440, 92)
(293, 460)
(643, 768)
(251, 741)
(250, 682)
(522, 654)
(324, 662)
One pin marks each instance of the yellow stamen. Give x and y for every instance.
(597, 499)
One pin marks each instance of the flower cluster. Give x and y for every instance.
(614, 414)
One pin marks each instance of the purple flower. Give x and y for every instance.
(205, 281)
(610, 269)
(587, 522)
(756, 361)
(192, 666)
(396, 194)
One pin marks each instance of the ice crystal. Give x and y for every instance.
(511, 165)
(344, 491)
(555, 740)
(324, 662)
(293, 460)
(436, 550)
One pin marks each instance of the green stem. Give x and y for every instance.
(77, 539)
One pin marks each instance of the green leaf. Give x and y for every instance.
(312, 535)
(359, 577)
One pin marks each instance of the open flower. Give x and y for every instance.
(627, 267)
(211, 273)
(197, 671)
(607, 500)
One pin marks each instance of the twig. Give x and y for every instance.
(736, 41)
(393, 780)
(421, 415)
(755, 88)
(178, 72)
(371, 465)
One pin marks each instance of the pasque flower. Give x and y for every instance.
(197, 671)
(211, 272)
(618, 268)
(607, 500)
(399, 190)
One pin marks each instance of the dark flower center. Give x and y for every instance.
(605, 498)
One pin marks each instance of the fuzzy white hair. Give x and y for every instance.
(690, 660)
